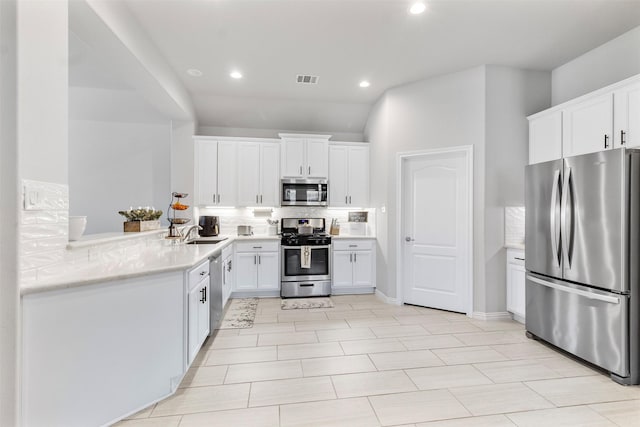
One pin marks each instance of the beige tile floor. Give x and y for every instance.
(367, 363)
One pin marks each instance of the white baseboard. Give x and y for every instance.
(386, 299)
(498, 315)
(352, 291)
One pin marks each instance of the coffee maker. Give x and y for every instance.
(210, 226)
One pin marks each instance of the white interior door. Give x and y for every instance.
(436, 239)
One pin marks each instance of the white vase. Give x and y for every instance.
(77, 224)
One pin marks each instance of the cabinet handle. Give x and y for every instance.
(353, 246)
(346, 200)
(300, 170)
(259, 260)
(214, 198)
(622, 139)
(606, 141)
(229, 266)
(261, 199)
(202, 273)
(256, 199)
(309, 170)
(202, 292)
(349, 199)
(519, 259)
(355, 257)
(257, 247)
(218, 198)
(255, 259)
(351, 257)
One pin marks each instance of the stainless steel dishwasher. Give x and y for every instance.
(215, 290)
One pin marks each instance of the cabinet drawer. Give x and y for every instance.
(515, 256)
(352, 245)
(258, 246)
(198, 273)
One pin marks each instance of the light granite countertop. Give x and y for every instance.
(159, 258)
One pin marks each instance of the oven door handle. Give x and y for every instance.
(311, 246)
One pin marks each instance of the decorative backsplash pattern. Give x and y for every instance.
(514, 225)
(43, 234)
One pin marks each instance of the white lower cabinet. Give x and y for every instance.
(257, 266)
(353, 265)
(516, 272)
(198, 309)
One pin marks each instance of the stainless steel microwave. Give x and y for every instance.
(304, 192)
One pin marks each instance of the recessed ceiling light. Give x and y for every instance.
(194, 72)
(417, 8)
(236, 75)
(365, 83)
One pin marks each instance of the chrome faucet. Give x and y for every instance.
(187, 232)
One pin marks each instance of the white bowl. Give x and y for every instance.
(77, 224)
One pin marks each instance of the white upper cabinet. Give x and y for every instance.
(545, 137)
(206, 165)
(215, 172)
(258, 178)
(249, 177)
(587, 126)
(304, 156)
(236, 172)
(348, 175)
(627, 116)
(605, 119)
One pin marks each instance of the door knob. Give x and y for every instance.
(409, 239)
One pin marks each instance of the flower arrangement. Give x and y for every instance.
(141, 214)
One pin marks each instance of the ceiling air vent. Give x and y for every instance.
(306, 79)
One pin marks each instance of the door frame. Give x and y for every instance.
(401, 157)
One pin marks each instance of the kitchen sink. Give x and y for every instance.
(207, 241)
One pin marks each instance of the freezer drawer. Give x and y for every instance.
(590, 324)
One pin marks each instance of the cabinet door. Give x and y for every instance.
(516, 301)
(587, 126)
(249, 174)
(203, 312)
(292, 158)
(246, 267)
(627, 117)
(358, 176)
(338, 176)
(268, 271)
(192, 332)
(342, 269)
(206, 161)
(545, 138)
(363, 268)
(227, 170)
(269, 175)
(317, 158)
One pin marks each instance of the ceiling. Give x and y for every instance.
(346, 41)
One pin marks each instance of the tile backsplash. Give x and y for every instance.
(230, 218)
(514, 225)
(43, 233)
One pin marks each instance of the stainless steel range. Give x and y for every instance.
(306, 258)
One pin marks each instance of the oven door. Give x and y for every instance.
(320, 264)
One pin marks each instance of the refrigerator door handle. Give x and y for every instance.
(566, 229)
(590, 295)
(554, 210)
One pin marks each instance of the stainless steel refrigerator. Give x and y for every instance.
(583, 259)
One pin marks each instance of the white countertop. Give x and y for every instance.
(352, 237)
(519, 246)
(159, 258)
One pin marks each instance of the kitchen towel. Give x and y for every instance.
(305, 257)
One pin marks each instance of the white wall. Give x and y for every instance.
(273, 133)
(9, 291)
(182, 156)
(511, 95)
(444, 111)
(114, 165)
(613, 61)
